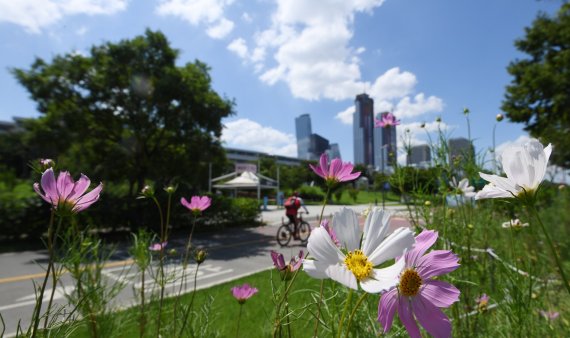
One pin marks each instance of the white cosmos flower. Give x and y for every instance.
(463, 186)
(515, 224)
(525, 167)
(353, 261)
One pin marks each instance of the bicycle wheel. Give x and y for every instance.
(304, 232)
(283, 235)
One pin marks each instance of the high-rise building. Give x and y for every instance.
(317, 146)
(303, 132)
(420, 156)
(363, 130)
(385, 145)
(334, 151)
(460, 148)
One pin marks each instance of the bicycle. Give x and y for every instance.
(287, 230)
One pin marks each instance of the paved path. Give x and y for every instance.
(232, 254)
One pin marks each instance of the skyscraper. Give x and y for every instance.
(303, 132)
(363, 130)
(420, 155)
(460, 149)
(317, 146)
(334, 151)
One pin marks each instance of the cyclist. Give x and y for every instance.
(292, 206)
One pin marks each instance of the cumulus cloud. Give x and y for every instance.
(221, 29)
(248, 134)
(200, 12)
(239, 47)
(35, 15)
(346, 115)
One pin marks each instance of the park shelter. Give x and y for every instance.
(246, 180)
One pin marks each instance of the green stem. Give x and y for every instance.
(161, 267)
(551, 244)
(184, 265)
(54, 272)
(239, 319)
(191, 302)
(346, 304)
(360, 300)
(322, 282)
(143, 315)
(36, 317)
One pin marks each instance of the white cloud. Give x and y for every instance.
(200, 12)
(244, 133)
(418, 105)
(239, 47)
(221, 29)
(35, 15)
(393, 84)
(346, 116)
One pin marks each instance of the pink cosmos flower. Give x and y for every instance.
(64, 194)
(387, 120)
(157, 246)
(337, 172)
(330, 230)
(482, 302)
(549, 315)
(279, 261)
(243, 292)
(417, 294)
(197, 203)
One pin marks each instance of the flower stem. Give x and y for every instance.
(323, 281)
(191, 302)
(239, 319)
(340, 322)
(360, 300)
(36, 316)
(161, 266)
(54, 272)
(551, 244)
(184, 265)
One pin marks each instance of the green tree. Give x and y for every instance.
(127, 111)
(539, 93)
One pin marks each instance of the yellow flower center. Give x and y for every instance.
(357, 262)
(410, 282)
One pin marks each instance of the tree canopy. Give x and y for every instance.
(539, 93)
(127, 110)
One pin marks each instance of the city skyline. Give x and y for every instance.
(279, 58)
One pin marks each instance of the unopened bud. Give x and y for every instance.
(466, 111)
(499, 117)
(427, 203)
(147, 191)
(561, 187)
(438, 119)
(200, 256)
(172, 252)
(470, 226)
(46, 163)
(170, 189)
(423, 125)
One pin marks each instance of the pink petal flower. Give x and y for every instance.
(416, 295)
(430, 317)
(197, 203)
(157, 246)
(66, 195)
(243, 292)
(278, 260)
(338, 171)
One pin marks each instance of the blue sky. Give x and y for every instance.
(281, 58)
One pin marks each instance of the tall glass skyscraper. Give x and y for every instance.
(303, 132)
(363, 130)
(385, 145)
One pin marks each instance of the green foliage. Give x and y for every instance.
(127, 112)
(539, 93)
(353, 193)
(311, 193)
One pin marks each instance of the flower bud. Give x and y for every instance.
(561, 187)
(499, 117)
(147, 191)
(466, 111)
(438, 119)
(427, 203)
(46, 163)
(200, 256)
(470, 226)
(170, 189)
(423, 125)
(172, 252)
